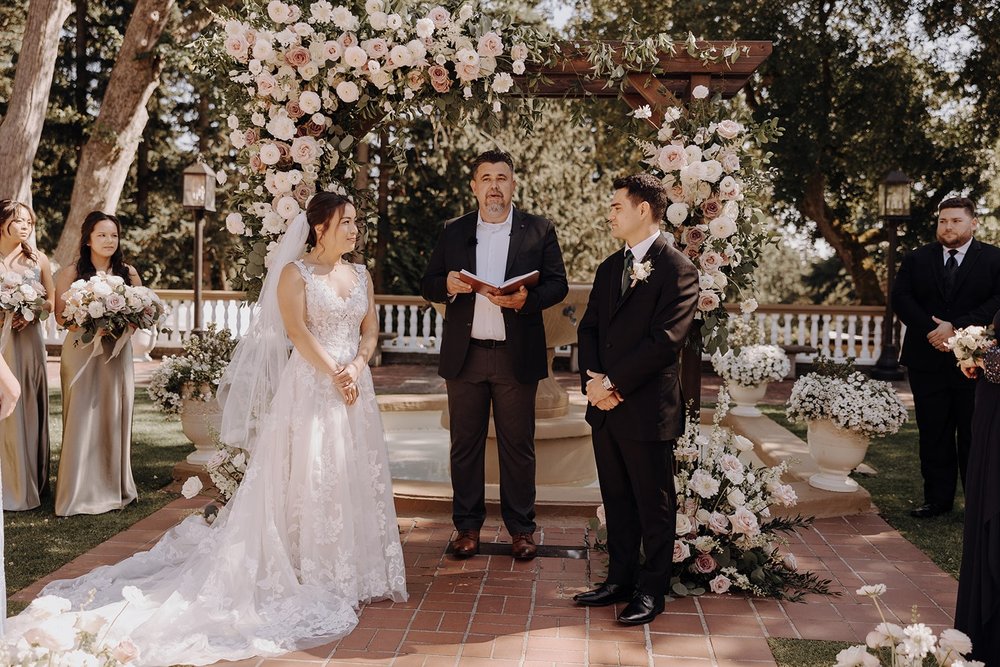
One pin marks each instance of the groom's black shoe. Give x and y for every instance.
(604, 595)
(929, 510)
(642, 609)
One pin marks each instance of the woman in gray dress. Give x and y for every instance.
(24, 436)
(95, 467)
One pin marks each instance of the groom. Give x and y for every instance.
(493, 352)
(640, 310)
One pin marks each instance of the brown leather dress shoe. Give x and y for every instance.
(524, 546)
(466, 544)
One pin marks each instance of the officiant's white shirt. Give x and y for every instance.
(492, 244)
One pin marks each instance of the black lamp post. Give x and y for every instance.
(199, 196)
(894, 207)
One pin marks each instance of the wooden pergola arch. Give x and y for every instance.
(665, 84)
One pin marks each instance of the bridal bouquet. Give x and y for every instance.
(106, 306)
(21, 294)
(851, 400)
(752, 365)
(970, 344)
(913, 645)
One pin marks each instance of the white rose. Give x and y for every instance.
(425, 28)
(722, 227)
(490, 44)
(270, 154)
(55, 634)
(287, 208)
(736, 498)
(348, 91)
(192, 487)
(125, 652)
(281, 126)
(305, 150)
(465, 13)
(728, 129)
(699, 92)
(258, 119)
(344, 19)
(705, 280)
(683, 526)
(355, 57)
(48, 606)
(378, 20)
(502, 82)
(711, 171)
(720, 584)
(681, 551)
(394, 21)
(234, 223)
(748, 306)
(372, 6)
(744, 522)
(693, 157)
(400, 56)
(729, 188)
(310, 102)
(96, 309)
(671, 158)
(517, 67)
(742, 443)
(677, 213)
(279, 12)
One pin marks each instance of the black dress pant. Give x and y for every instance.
(487, 378)
(944, 403)
(637, 487)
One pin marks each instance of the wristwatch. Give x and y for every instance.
(608, 384)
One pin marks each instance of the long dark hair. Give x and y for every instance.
(322, 209)
(8, 209)
(85, 264)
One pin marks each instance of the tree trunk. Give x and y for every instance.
(108, 154)
(21, 128)
(82, 77)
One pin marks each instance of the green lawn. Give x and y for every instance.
(895, 490)
(38, 542)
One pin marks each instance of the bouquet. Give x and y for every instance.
(752, 365)
(851, 400)
(106, 306)
(21, 294)
(969, 344)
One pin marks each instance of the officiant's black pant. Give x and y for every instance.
(943, 402)
(637, 487)
(487, 378)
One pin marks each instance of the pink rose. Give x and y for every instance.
(440, 16)
(375, 48)
(294, 110)
(251, 136)
(728, 129)
(710, 208)
(302, 193)
(708, 301)
(440, 79)
(256, 164)
(348, 39)
(285, 150)
(692, 251)
(125, 652)
(266, 84)
(332, 50)
(729, 160)
(297, 56)
(711, 261)
(720, 584)
(744, 522)
(705, 564)
(467, 71)
(718, 523)
(313, 129)
(693, 236)
(677, 193)
(415, 79)
(671, 158)
(490, 44)
(681, 551)
(237, 47)
(305, 150)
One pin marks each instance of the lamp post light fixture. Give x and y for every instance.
(894, 207)
(198, 196)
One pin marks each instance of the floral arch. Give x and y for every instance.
(310, 80)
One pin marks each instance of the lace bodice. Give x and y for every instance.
(335, 321)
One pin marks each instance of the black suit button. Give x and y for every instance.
(608, 346)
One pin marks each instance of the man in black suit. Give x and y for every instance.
(943, 286)
(638, 316)
(493, 351)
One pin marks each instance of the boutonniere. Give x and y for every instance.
(641, 271)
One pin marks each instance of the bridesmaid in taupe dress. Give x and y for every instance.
(10, 391)
(24, 436)
(95, 466)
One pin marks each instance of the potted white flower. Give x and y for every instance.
(844, 409)
(185, 384)
(747, 372)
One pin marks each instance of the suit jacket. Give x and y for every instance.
(533, 246)
(636, 339)
(918, 294)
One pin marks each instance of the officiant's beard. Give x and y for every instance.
(495, 208)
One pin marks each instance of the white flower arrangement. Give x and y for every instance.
(715, 171)
(910, 646)
(851, 400)
(726, 538)
(195, 373)
(226, 469)
(62, 637)
(752, 365)
(970, 344)
(22, 294)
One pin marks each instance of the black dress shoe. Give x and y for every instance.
(642, 609)
(604, 595)
(929, 510)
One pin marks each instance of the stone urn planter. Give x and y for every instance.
(745, 399)
(201, 422)
(143, 342)
(837, 452)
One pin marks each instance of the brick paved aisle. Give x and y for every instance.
(491, 610)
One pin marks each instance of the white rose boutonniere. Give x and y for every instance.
(641, 272)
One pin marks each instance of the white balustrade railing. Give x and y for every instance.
(410, 324)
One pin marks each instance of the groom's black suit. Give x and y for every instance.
(943, 398)
(636, 340)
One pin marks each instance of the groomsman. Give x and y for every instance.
(946, 285)
(493, 351)
(638, 316)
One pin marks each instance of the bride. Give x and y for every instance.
(311, 532)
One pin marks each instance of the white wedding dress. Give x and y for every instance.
(309, 535)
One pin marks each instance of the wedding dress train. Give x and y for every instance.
(309, 535)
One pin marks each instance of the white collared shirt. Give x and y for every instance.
(960, 255)
(492, 244)
(642, 247)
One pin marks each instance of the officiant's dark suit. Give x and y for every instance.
(633, 332)
(956, 280)
(494, 354)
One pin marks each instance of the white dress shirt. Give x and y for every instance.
(492, 244)
(960, 255)
(642, 247)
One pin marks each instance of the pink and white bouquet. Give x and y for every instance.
(970, 344)
(106, 306)
(21, 294)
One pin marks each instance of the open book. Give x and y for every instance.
(507, 287)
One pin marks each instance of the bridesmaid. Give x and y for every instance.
(10, 391)
(95, 467)
(24, 436)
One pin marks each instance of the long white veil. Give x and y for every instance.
(248, 384)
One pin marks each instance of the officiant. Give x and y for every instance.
(493, 349)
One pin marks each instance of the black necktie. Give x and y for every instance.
(627, 273)
(950, 269)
